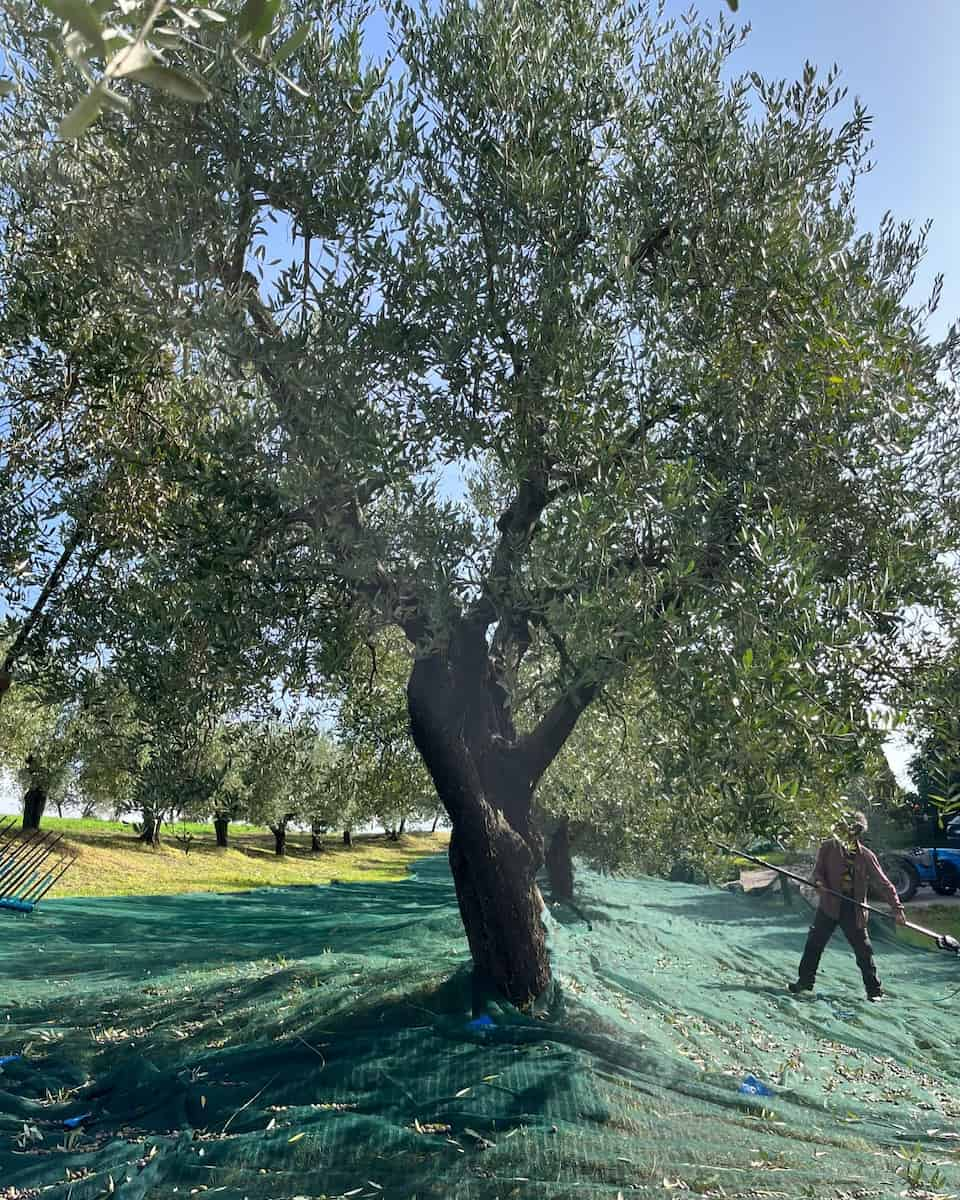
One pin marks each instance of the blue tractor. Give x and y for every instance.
(937, 867)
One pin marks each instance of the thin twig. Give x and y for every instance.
(309, 1047)
(248, 1103)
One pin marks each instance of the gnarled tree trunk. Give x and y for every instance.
(34, 802)
(485, 777)
(347, 838)
(560, 863)
(221, 825)
(150, 828)
(316, 839)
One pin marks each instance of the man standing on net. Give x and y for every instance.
(846, 866)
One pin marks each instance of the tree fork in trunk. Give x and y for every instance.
(485, 776)
(559, 863)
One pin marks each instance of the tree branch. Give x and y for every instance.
(543, 744)
(53, 582)
(493, 306)
(336, 511)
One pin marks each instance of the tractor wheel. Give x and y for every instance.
(903, 875)
(947, 881)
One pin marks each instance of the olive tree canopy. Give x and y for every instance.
(555, 249)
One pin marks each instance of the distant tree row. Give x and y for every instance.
(105, 751)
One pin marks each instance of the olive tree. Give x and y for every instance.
(38, 745)
(556, 248)
(279, 774)
(88, 403)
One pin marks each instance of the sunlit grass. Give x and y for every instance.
(112, 862)
(93, 825)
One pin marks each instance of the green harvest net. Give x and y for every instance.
(314, 1042)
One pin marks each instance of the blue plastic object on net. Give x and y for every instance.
(9, 1058)
(484, 1022)
(73, 1122)
(752, 1086)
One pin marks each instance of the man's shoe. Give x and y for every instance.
(873, 997)
(799, 987)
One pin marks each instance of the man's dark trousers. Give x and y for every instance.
(820, 933)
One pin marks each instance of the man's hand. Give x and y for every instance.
(900, 916)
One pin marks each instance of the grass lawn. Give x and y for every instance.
(93, 825)
(111, 862)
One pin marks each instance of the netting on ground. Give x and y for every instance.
(314, 1042)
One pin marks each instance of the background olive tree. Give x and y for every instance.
(38, 746)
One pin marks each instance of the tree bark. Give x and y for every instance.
(221, 825)
(150, 827)
(316, 839)
(436, 821)
(34, 802)
(402, 827)
(347, 838)
(501, 909)
(279, 838)
(560, 863)
(485, 777)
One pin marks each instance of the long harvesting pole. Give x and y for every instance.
(943, 940)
